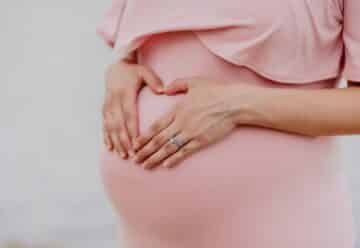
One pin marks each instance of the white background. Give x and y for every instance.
(51, 87)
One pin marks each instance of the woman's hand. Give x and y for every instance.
(205, 115)
(120, 121)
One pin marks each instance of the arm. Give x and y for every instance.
(321, 112)
(315, 112)
(210, 110)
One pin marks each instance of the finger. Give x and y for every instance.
(131, 119)
(152, 80)
(115, 124)
(177, 86)
(122, 129)
(156, 143)
(124, 140)
(117, 145)
(106, 135)
(165, 151)
(181, 154)
(107, 140)
(154, 129)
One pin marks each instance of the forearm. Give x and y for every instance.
(315, 112)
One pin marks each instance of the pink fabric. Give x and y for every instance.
(257, 188)
(293, 41)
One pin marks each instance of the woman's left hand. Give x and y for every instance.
(204, 116)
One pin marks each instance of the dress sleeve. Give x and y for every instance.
(351, 38)
(108, 27)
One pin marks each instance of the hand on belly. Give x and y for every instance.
(204, 116)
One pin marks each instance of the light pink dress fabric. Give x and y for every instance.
(293, 41)
(257, 188)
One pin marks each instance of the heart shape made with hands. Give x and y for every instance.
(152, 106)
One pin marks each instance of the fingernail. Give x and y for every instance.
(123, 155)
(160, 90)
(165, 165)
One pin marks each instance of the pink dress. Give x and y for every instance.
(257, 188)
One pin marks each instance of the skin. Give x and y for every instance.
(211, 110)
(124, 80)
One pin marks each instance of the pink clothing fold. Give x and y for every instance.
(290, 41)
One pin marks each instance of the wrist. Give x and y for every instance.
(247, 104)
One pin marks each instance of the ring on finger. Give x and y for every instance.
(177, 141)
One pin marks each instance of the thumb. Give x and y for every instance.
(177, 86)
(152, 80)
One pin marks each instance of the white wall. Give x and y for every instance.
(51, 86)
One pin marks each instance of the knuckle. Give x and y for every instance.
(175, 159)
(184, 151)
(155, 127)
(123, 137)
(131, 125)
(187, 134)
(201, 139)
(168, 148)
(107, 110)
(107, 126)
(117, 95)
(107, 120)
(112, 112)
(121, 93)
(118, 90)
(116, 144)
(116, 128)
(140, 141)
(143, 155)
(127, 115)
(158, 141)
(115, 115)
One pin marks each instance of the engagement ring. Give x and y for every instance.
(177, 142)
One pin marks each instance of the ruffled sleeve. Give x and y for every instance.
(351, 37)
(108, 28)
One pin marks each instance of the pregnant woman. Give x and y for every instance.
(220, 122)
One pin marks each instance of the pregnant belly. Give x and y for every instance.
(249, 189)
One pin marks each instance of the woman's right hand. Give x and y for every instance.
(124, 80)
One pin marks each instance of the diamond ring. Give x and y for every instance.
(177, 142)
